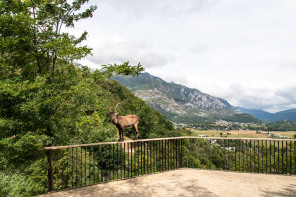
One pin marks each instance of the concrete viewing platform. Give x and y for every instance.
(190, 182)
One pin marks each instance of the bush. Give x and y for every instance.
(15, 185)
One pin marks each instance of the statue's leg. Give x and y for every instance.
(119, 134)
(135, 126)
(122, 135)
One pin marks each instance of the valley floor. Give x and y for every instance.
(243, 133)
(191, 182)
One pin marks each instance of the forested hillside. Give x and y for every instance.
(46, 99)
(40, 113)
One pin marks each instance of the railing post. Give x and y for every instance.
(50, 172)
(181, 158)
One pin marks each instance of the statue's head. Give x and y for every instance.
(112, 114)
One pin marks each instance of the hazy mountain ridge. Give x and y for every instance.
(271, 117)
(174, 100)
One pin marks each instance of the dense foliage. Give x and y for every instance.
(47, 99)
(259, 156)
(242, 118)
(281, 126)
(69, 111)
(275, 126)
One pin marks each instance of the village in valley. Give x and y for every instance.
(228, 129)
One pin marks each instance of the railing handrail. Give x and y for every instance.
(106, 143)
(156, 139)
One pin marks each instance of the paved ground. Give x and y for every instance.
(191, 182)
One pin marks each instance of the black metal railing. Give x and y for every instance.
(272, 156)
(82, 165)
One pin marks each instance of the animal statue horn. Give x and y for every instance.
(108, 108)
(122, 122)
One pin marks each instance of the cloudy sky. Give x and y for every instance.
(243, 51)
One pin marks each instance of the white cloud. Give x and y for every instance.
(114, 49)
(155, 9)
(243, 51)
(260, 97)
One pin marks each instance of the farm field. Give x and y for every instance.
(287, 133)
(241, 133)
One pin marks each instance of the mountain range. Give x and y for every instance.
(180, 103)
(271, 117)
(188, 105)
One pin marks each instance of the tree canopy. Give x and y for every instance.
(32, 36)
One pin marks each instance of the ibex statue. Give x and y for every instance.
(122, 122)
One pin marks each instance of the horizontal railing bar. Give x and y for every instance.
(157, 139)
(107, 143)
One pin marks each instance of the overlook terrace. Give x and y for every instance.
(83, 165)
(190, 182)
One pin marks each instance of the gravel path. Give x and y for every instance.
(191, 182)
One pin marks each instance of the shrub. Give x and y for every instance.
(14, 185)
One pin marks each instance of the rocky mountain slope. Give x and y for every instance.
(175, 101)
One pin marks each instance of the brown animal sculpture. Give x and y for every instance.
(122, 122)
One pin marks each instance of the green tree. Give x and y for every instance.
(32, 37)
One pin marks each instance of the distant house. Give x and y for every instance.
(201, 136)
